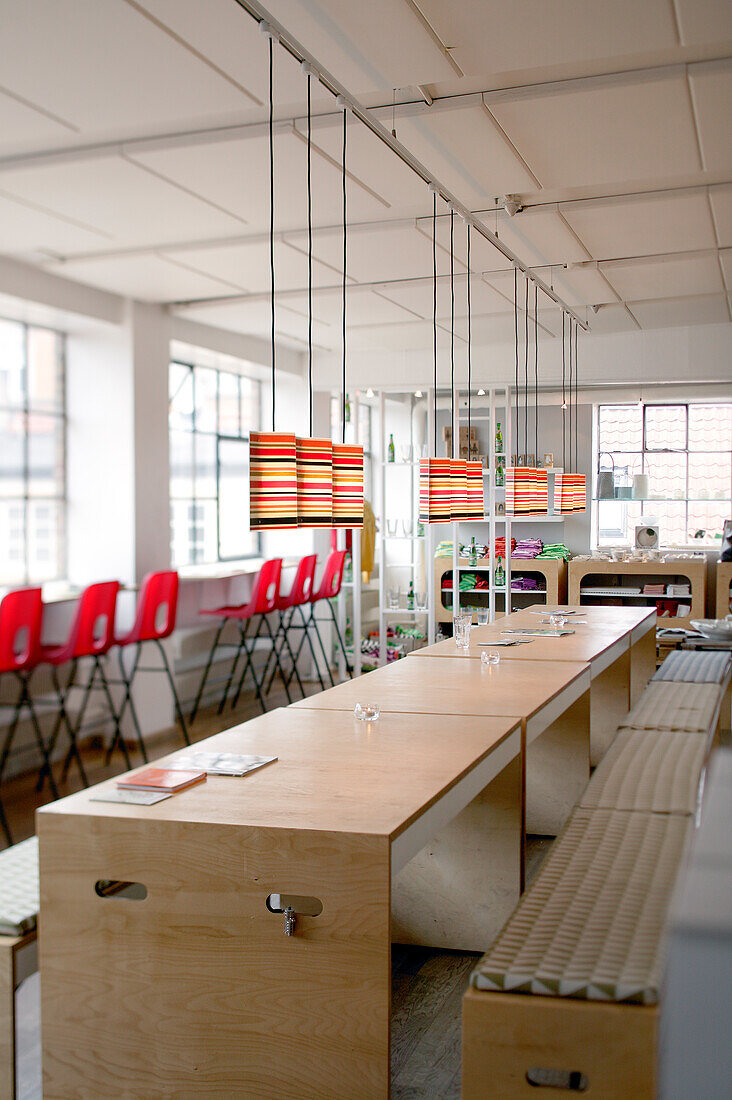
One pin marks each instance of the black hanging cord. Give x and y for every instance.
(271, 218)
(570, 391)
(310, 260)
(516, 353)
(526, 368)
(576, 404)
(434, 308)
(536, 373)
(452, 331)
(564, 396)
(345, 254)
(470, 341)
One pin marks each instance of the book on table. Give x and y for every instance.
(161, 779)
(233, 764)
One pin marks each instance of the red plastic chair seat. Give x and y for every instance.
(158, 591)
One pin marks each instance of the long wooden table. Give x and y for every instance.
(552, 699)
(620, 650)
(196, 991)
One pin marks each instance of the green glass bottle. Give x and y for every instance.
(348, 409)
(410, 597)
(499, 439)
(500, 475)
(500, 574)
(473, 552)
(391, 453)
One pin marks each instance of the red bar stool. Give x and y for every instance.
(155, 616)
(330, 587)
(21, 613)
(92, 636)
(287, 606)
(262, 603)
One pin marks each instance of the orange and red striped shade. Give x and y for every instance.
(272, 481)
(314, 482)
(347, 485)
(527, 491)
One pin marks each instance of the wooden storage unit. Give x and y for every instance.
(724, 583)
(613, 572)
(552, 570)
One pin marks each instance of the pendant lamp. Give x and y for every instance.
(527, 487)
(570, 493)
(347, 458)
(435, 486)
(272, 455)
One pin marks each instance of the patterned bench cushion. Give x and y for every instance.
(652, 770)
(664, 705)
(19, 888)
(694, 667)
(591, 924)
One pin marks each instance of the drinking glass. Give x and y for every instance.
(489, 658)
(394, 594)
(461, 623)
(366, 712)
(407, 527)
(392, 526)
(558, 620)
(482, 616)
(421, 601)
(407, 454)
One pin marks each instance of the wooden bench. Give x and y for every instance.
(18, 947)
(567, 996)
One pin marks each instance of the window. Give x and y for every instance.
(32, 454)
(211, 413)
(686, 453)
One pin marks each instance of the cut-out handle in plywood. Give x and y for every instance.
(570, 1079)
(300, 905)
(115, 888)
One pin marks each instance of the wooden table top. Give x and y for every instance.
(434, 685)
(585, 645)
(596, 615)
(333, 773)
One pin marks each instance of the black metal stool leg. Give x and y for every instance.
(243, 629)
(171, 682)
(295, 669)
(328, 669)
(62, 717)
(127, 681)
(279, 631)
(10, 734)
(206, 671)
(307, 637)
(341, 643)
(110, 703)
(43, 749)
(4, 824)
(277, 662)
(74, 730)
(249, 663)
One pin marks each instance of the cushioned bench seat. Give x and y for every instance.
(590, 925)
(655, 771)
(587, 938)
(19, 888)
(689, 667)
(689, 708)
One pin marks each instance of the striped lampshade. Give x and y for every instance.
(527, 492)
(435, 490)
(475, 491)
(569, 493)
(580, 493)
(315, 482)
(272, 481)
(347, 485)
(459, 490)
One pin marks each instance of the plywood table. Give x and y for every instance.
(552, 698)
(621, 656)
(195, 990)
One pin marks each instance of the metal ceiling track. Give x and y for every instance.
(300, 54)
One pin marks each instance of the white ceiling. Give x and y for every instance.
(134, 157)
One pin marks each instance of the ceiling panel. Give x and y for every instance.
(624, 131)
(375, 46)
(102, 66)
(363, 307)
(643, 226)
(611, 318)
(486, 37)
(253, 319)
(541, 238)
(704, 20)
(584, 286)
(149, 278)
(113, 195)
(721, 200)
(26, 229)
(711, 86)
(23, 128)
(725, 259)
(235, 175)
(375, 255)
(247, 266)
(670, 277)
(681, 311)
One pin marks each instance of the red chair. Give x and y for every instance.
(21, 613)
(262, 603)
(298, 597)
(155, 616)
(330, 587)
(91, 636)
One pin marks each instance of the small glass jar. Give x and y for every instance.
(489, 658)
(366, 712)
